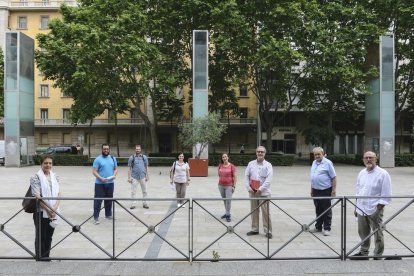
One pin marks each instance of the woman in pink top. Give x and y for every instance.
(227, 183)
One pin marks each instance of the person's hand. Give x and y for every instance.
(258, 193)
(130, 180)
(333, 193)
(146, 178)
(233, 188)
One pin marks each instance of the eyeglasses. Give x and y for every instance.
(369, 157)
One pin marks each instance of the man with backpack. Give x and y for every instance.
(138, 173)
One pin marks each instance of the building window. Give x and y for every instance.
(44, 139)
(111, 139)
(66, 115)
(44, 22)
(44, 114)
(66, 139)
(111, 116)
(44, 91)
(342, 144)
(286, 120)
(134, 116)
(351, 144)
(243, 90)
(89, 138)
(64, 95)
(22, 23)
(243, 112)
(45, 2)
(23, 2)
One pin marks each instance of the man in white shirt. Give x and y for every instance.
(372, 181)
(259, 172)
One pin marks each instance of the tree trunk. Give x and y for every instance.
(330, 141)
(116, 135)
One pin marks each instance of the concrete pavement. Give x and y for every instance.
(132, 240)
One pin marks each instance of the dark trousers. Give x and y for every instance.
(103, 190)
(320, 206)
(46, 233)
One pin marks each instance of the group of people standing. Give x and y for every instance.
(373, 182)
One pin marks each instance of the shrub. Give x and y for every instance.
(65, 160)
(244, 159)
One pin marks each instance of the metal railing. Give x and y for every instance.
(167, 232)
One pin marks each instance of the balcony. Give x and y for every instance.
(132, 122)
(40, 4)
(96, 122)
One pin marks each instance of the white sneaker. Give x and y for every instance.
(315, 230)
(96, 221)
(326, 232)
(183, 206)
(178, 205)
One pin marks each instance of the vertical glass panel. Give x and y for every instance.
(200, 60)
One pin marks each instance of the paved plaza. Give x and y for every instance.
(131, 236)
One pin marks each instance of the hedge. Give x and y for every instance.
(244, 159)
(404, 160)
(65, 160)
(401, 160)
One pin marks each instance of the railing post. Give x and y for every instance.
(113, 229)
(190, 231)
(343, 228)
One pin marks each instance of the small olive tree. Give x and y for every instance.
(201, 131)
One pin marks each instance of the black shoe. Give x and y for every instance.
(252, 233)
(269, 235)
(224, 216)
(378, 258)
(228, 219)
(390, 258)
(358, 257)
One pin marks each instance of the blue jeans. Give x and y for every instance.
(103, 190)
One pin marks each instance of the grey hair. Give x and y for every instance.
(318, 148)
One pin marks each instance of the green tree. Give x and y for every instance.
(100, 51)
(402, 25)
(202, 131)
(256, 44)
(335, 47)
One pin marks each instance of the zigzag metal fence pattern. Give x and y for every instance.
(166, 232)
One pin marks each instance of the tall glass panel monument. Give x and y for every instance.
(380, 106)
(19, 99)
(200, 78)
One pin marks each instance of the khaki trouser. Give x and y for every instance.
(267, 223)
(134, 185)
(365, 224)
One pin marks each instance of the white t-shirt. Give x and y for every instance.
(180, 173)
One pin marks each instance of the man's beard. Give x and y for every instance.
(105, 153)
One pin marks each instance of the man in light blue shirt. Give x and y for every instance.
(323, 184)
(105, 169)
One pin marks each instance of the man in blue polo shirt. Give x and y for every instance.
(323, 184)
(105, 170)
